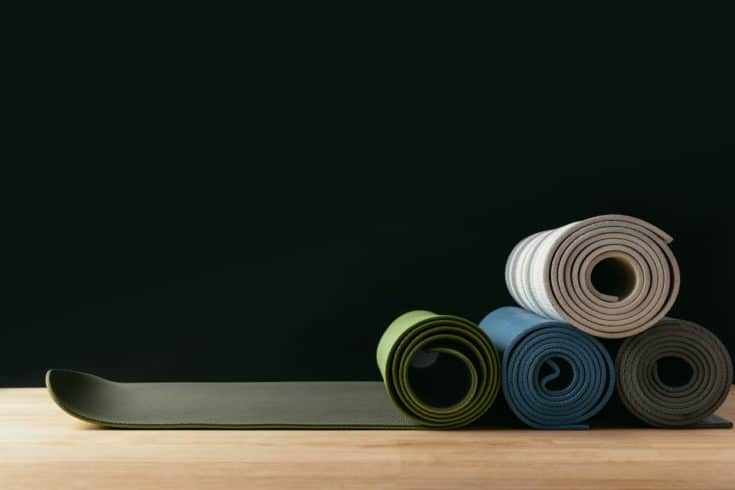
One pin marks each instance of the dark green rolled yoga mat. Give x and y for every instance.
(438, 371)
(647, 394)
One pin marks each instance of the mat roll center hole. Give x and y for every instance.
(614, 276)
(674, 371)
(438, 379)
(563, 378)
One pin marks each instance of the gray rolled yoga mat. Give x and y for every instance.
(649, 396)
(554, 375)
(438, 371)
(611, 276)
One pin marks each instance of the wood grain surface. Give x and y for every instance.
(43, 448)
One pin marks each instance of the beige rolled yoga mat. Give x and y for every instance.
(611, 276)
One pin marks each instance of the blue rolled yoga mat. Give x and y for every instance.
(554, 376)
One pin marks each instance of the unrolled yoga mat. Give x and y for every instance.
(648, 397)
(438, 371)
(554, 375)
(611, 276)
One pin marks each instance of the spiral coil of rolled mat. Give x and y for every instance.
(423, 339)
(529, 344)
(661, 404)
(611, 276)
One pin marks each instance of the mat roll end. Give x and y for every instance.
(440, 370)
(580, 375)
(657, 402)
(611, 276)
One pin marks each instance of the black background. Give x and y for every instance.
(179, 213)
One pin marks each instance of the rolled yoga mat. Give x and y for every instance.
(611, 276)
(649, 396)
(438, 371)
(554, 375)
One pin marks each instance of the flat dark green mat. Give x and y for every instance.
(438, 371)
(352, 404)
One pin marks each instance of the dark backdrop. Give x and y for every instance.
(264, 217)
(266, 272)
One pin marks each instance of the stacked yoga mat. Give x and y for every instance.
(611, 277)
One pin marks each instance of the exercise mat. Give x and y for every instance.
(646, 392)
(611, 276)
(438, 371)
(554, 375)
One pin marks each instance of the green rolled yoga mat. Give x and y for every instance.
(438, 371)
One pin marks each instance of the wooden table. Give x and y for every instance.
(42, 447)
